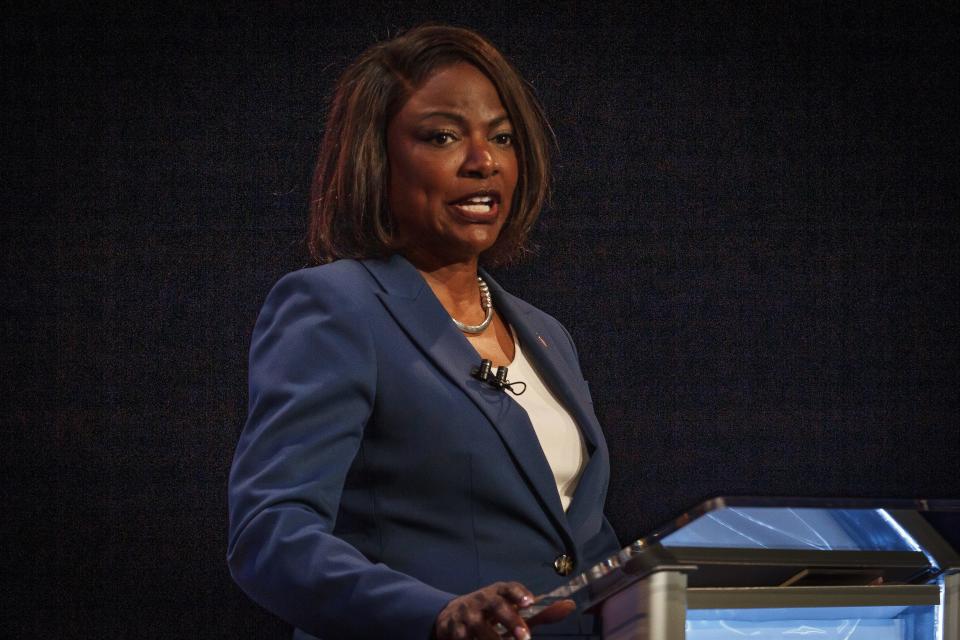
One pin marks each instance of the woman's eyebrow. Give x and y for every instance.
(459, 119)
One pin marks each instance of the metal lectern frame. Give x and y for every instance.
(878, 561)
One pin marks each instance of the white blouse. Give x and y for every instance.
(559, 435)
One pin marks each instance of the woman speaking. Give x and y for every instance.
(383, 486)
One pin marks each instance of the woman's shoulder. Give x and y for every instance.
(347, 276)
(342, 284)
(337, 273)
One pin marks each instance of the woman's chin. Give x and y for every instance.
(455, 250)
(481, 240)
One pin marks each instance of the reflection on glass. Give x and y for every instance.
(792, 528)
(827, 623)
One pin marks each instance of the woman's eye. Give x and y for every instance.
(504, 139)
(441, 138)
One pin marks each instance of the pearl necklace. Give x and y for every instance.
(486, 302)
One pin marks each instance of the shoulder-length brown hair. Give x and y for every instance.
(349, 213)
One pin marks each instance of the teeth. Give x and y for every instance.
(476, 208)
(477, 204)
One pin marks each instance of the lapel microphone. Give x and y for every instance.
(484, 373)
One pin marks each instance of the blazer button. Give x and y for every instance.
(563, 564)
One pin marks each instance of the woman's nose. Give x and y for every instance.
(479, 162)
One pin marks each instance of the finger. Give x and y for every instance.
(448, 631)
(455, 626)
(481, 620)
(515, 593)
(484, 632)
(479, 624)
(505, 613)
(460, 632)
(473, 618)
(556, 611)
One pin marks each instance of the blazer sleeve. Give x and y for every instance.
(312, 386)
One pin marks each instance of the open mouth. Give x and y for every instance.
(477, 205)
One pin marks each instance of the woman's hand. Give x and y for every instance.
(476, 614)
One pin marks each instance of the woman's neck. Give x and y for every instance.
(455, 285)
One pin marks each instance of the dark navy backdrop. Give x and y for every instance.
(754, 241)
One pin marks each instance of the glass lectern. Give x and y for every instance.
(765, 569)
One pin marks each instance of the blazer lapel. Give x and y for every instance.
(540, 345)
(418, 312)
(543, 348)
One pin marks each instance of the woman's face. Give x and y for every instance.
(453, 167)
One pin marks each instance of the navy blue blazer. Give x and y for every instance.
(375, 479)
